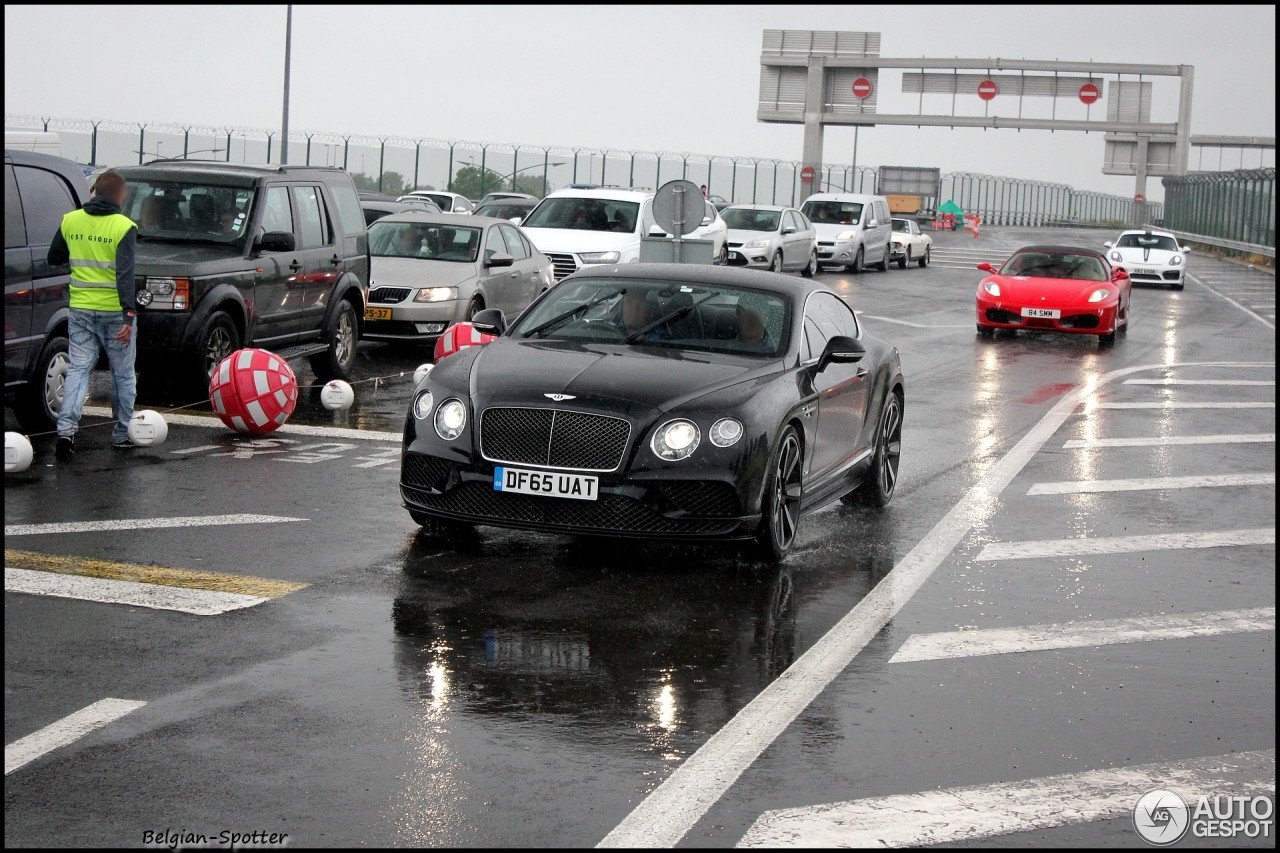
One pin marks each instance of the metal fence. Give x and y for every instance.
(395, 164)
(1237, 207)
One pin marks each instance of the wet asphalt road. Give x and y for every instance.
(520, 689)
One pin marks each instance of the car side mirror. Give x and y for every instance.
(986, 267)
(1106, 245)
(515, 220)
(706, 220)
(786, 231)
(490, 321)
(1119, 274)
(1186, 250)
(873, 223)
(276, 241)
(499, 259)
(841, 350)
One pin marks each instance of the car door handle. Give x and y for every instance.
(295, 266)
(514, 275)
(862, 371)
(335, 260)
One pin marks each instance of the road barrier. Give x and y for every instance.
(396, 164)
(1232, 211)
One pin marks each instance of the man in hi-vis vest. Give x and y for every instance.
(98, 241)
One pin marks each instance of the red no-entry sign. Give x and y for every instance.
(862, 88)
(806, 175)
(1089, 93)
(988, 89)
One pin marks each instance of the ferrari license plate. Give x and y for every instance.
(377, 313)
(1042, 313)
(544, 484)
(1146, 272)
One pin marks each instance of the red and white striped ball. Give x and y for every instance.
(253, 391)
(459, 336)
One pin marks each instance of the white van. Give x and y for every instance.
(33, 140)
(853, 230)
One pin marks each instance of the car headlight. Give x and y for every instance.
(451, 417)
(756, 244)
(422, 404)
(436, 294)
(1100, 294)
(1116, 256)
(600, 257)
(1175, 260)
(846, 235)
(991, 287)
(725, 432)
(144, 298)
(675, 440)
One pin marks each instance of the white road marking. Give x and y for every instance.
(142, 524)
(669, 811)
(1270, 382)
(1183, 404)
(1079, 635)
(197, 602)
(289, 429)
(951, 815)
(918, 325)
(1254, 314)
(1080, 546)
(1142, 484)
(65, 731)
(1168, 440)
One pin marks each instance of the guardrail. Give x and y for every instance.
(1223, 243)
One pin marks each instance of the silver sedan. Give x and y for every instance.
(775, 238)
(428, 271)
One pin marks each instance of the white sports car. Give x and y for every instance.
(908, 243)
(1150, 257)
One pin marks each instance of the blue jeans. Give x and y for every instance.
(90, 331)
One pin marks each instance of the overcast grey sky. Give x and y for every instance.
(670, 78)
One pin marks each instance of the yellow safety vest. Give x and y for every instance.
(92, 242)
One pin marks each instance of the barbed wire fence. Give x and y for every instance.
(398, 163)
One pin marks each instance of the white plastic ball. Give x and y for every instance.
(17, 452)
(148, 427)
(423, 371)
(337, 396)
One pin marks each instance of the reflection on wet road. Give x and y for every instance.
(519, 689)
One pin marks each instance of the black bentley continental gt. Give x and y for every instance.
(659, 401)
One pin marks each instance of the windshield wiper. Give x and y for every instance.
(572, 312)
(667, 318)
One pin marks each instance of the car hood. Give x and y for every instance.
(1152, 257)
(567, 240)
(829, 230)
(186, 259)
(741, 235)
(1032, 290)
(417, 272)
(627, 379)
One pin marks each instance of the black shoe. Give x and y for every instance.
(122, 444)
(66, 447)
